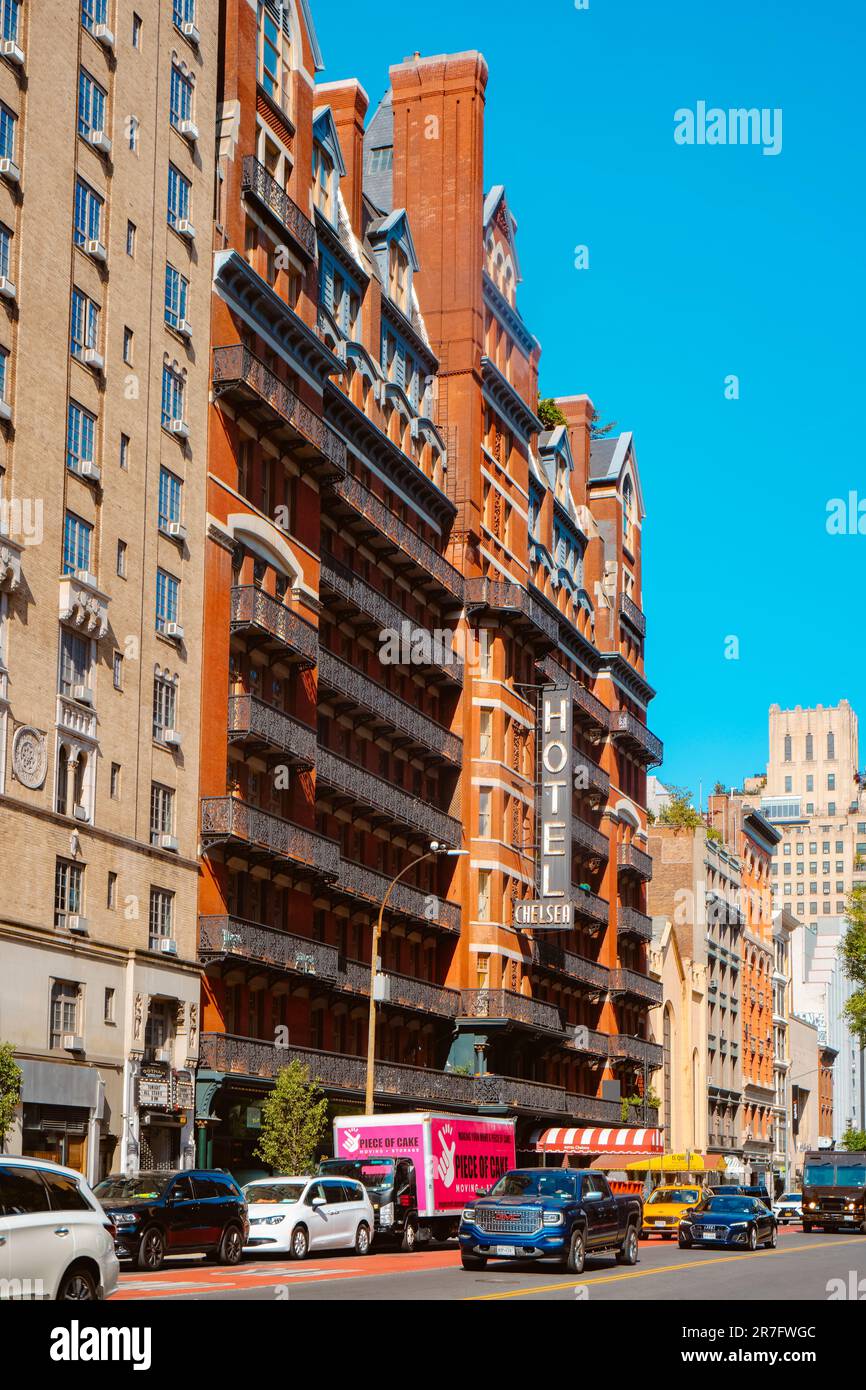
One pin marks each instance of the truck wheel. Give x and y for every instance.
(410, 1237)
(576, 1257)
(472, 1261)
(627, 1253)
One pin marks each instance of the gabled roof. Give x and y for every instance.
(325, 131)
(611, 459)
(394, 227)
(378, 186)
(497, 203)
(318, 60)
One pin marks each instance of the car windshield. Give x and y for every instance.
(376, 1174)
(274, 1191)
(835, 1175)
(730, 1205)
(144, 1188)
(790, 1197)
(556, 1183)
(673, 1197)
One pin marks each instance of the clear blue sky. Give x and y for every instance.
(704, 261)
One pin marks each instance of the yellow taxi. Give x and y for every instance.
(664, 1208)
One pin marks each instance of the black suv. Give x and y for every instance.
(159, 1214)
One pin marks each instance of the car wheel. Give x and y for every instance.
(753, 1238)
(78, 1285)
(300, 1243)
(410, 1237)
(684, 1243)
(362, 1239)
(627, 1254)
(472, 1261)
(151, 1250)
(774, 1239)
(807, 1228)
(231, 1247)
(576, 1257)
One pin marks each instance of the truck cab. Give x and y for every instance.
(392, 1189)
(834, 1191)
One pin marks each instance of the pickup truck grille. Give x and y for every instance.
(515, 1221)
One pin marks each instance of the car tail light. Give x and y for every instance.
(110, 1228)
(405, 1200)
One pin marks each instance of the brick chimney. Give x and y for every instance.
(348, 102)
(578, 411)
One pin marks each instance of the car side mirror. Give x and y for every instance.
(482, 1191)
(317, 1202)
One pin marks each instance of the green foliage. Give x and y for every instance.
(10, 1089)
(679, 811)
(294, 1122)
(714, 834)
(549, 413)
(597, 430)
(629, 1103)
(854, 1141)
(854, 962)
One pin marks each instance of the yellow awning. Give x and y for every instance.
(678, 1163)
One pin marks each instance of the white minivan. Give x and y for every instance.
(56, 1242)
(293, 1216)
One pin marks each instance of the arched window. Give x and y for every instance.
(627, 505)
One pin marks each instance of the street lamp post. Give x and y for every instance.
(435, 848)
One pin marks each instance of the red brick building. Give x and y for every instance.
(400, 556)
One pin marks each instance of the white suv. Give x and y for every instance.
(296, 1215)
(56, 1242)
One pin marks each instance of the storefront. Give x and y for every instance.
(65, 1115)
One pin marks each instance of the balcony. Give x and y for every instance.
(10, 563)
(506, 1006)
(514, 1093)
(265, 622)
(553, 957)
(84, 605)
(234, 939)
(640, 1050)
(513, 601)
(385, 713)
(590, 778)
(262, 728)
(225, 820)
(636, 737)
(272, 408)
(589, 710)
(258, 184)
(590, 843)
(401, 991)
(631, 860)
(425, 648)
(249, 296)
(374, 523)
(76, 719)
(633, 923)
(632, 985)
(590, 908)
(383, 800)
(589, 1043)
(631, 614)
(357, 881)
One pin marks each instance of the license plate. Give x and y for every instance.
(709, 1235)
(660, 1223)
(505, 1249)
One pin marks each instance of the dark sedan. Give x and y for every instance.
(735, 1222)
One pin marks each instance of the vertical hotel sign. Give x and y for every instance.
(554, 906)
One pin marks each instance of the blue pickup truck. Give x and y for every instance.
(558, 1214)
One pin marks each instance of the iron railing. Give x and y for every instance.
(252, 717)
(501, 596)
(625, 1049)
(589, 776)
(631, 982)
(253, 608)
(236, 367)
(589, 1042)
(631, 858)
(590, 907)
(507, 1003)
(403, 900)
(589, 839)
(391, 709)
(623, 722)
(632, 614)
(256, 180)
(229, 818)
(253, 941)
(382, 796)
(402, 536)
(632, 922)
(553, 957)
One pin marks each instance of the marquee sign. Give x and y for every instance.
(553, 907)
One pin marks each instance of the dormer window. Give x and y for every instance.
(398, 276)
(323, 182)
(627, 510)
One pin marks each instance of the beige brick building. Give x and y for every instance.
(106, 169)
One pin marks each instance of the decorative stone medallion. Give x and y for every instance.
(29, 757)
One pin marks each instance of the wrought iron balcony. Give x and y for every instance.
(633, 923)
(591, 842)
(385, 800)
(401, 991)
(264, 621)
(633, 985)
(263, 727)
(228, 820)
(630, 613)
(258, 394)
(258, 183)
(554, 957)
(591, 778)
(514, 1093)
(636, 736)
(233, 938)
(501, 596)
(589, 907)
(357, 881)
(511, 1006)
(344, 584)
(624, 1049)
(385, 712)
(630, 859)
(588, 1042)
(376, 522)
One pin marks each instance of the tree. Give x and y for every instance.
(854, 1141)
(597, 430)
(10, 1089)
(294, 1121)
(679, 811)
(854, 962)
(549, 413)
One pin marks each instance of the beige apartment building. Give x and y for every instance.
(680, 1029)
(107, 113)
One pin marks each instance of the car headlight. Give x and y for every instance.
(553, 1218)
(386, 1214)
(812, 1206)
(738, 1225)
(125, 1218)
(468, 1214)
(272, 1220)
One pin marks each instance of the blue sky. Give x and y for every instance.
(705, 261)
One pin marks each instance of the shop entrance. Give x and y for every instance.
(56, 1134)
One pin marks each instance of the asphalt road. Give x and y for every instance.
(802, 1267)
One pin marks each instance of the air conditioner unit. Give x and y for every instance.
(90, 471)
(9, 171)
(177, 531)
(180, 428)
(85, 577)
(103, 35)
(75, 922)
(168, 842)
(184, 328)
(94, 358)
(189, 131)
(172, 738)
(183, 226)
(73, 1042)
(189, 31)
(80, 813)
(83, 694)
(175, 631)
(168, 947)
(100, 141)
(7, 289)
(96, 251)
(9, 49)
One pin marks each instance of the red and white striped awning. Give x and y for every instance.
(598, 1141)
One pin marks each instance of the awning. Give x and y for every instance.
(622, 1142)
(691, 1162)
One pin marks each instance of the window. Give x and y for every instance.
(178, 196)
(128, 340)
(91, 105)
(161, 916)
(65, 1000)
(5, 251)
(484, 877)
(831, 781)
(124, 451)
(182, 12)
(136, 31)
(130, 238)
(77, 535)
(167, 594)
(169, 498)
(485, 652)
(831, 746)
(74, 661)
(484, 819)
(11, 11)
(485, 732)
(93, 12)
(108, 998)
(172, 396)
(84, 331)
(164, 706)
(80, 438)
(121, 559)
(88, 214)
(68, 891)
(381, 159)
(787, 748)
(810, 752)
(273, 58)
(789, 784)
(8, 129)
(161, 812)
(176, 290)
(831, 808)
(117, 670)
(323, 180)
(181, 96)
(115, 781)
